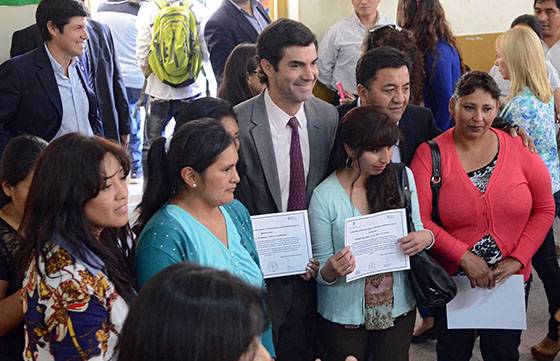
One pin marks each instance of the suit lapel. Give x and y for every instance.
(243, 23)
(265, 149)
(316, 137)
(46, 76)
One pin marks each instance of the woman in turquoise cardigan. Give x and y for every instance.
(376, 310)
(188, 212)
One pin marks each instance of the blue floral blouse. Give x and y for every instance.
(537, 118)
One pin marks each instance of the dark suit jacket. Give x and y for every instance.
(225, 29)
(259, 188)
(30, 101)
(109, 85)
(416, 126)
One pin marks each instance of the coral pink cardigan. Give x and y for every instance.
(517, 208)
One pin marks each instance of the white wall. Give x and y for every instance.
(466, 17)
(13, 18)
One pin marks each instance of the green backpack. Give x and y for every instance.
(175, 56)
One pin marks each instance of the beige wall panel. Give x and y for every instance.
(13, 18)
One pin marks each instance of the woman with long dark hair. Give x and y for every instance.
(188, 212)
(78, 283)
(442, 61)
(16, 172)
(191, 313)
(241, 79)
(376, 310)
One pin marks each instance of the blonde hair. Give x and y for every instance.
(523, 56)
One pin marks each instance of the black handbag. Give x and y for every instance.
(430, 283)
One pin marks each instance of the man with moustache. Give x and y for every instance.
(340, 46)
(44, 92)
(285, 138)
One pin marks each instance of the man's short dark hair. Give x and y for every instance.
(379, 58)
(59, 12)
(279, 35)
(541, 1)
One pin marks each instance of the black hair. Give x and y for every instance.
(403, 40)
(241, 62)
(278, 36)
(195, 144)
(531, 21)
(59, 12)
(473, 80)
(377, 59)
(206, 107)
(364, 129)
(18, 160)
(541, 1)
(191, 313)
(68, 174)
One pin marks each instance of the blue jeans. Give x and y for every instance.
(135, 142)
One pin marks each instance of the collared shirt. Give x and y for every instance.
(553, 54)
(154, 86)
(339, 51)
(257, 20)
(75, 102)
(281, 134)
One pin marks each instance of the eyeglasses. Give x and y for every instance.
(384, 26)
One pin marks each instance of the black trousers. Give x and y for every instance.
(546, 265)
(292, 305)
(457, 344)
(391, 344)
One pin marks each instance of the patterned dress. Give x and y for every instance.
(537, 118)
(72, 310)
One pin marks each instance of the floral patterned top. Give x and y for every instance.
(72, 310)
(537, 118)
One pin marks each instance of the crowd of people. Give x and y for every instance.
(82, 280)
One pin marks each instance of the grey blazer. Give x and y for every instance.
(259, 188)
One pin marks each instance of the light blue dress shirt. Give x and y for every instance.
(339, 301)
(257, 20)
(75, 103)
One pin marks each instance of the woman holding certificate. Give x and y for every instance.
(377, 310)
(188, 212)
(495, 206)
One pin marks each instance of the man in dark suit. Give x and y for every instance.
(102, 73)
(285, 138)
(44, 92)
(235, 22)
(383, 79)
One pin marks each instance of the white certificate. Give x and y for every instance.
(502, 307)
(373, 241)
(283, 243)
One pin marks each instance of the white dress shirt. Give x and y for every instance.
(281, 134)
(339, 51)
(552, 54)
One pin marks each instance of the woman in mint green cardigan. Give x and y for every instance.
(377, 310)
(188, 212)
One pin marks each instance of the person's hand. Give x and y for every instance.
(506, 268)
(477, 270)
(338, 265)
(414, 242)
(310, 270)
(526, 138)
(124, 138)
(348, 98)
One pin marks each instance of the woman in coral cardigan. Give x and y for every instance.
(506, 208)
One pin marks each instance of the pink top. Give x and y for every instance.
(517, 209)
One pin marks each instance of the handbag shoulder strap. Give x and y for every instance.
(402, 175)
(435, 180)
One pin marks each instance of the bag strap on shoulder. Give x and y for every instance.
(435, 180)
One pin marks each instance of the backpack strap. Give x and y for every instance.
(161, 3)
(435, 180)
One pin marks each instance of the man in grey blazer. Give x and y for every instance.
(285, 138)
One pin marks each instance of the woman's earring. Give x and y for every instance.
(194, 185)
(348, 162)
